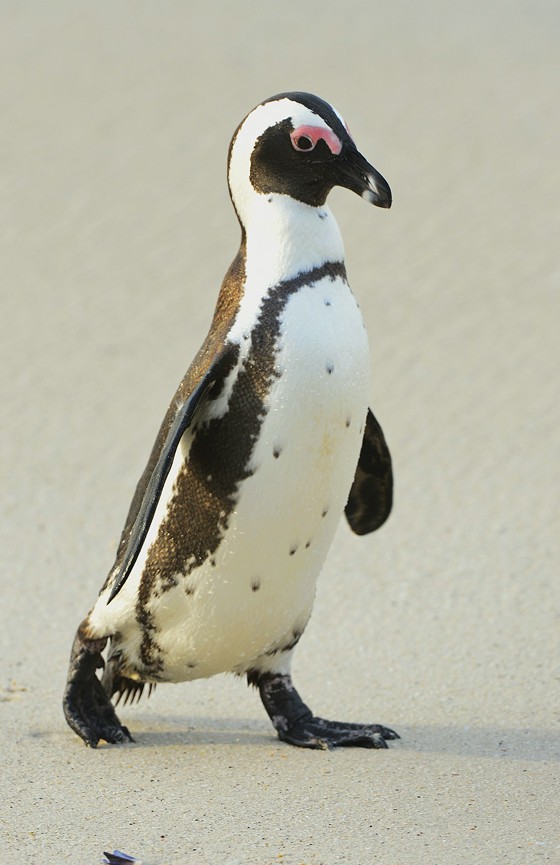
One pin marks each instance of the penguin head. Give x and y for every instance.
(297, 145)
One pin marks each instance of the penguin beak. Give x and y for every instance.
(357, 174)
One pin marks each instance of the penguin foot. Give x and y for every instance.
(295, 723)
(87, 708)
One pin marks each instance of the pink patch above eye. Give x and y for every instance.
(315, 134)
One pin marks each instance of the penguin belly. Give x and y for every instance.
(251, 599)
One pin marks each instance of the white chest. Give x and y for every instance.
(256, 590)
(260, 584)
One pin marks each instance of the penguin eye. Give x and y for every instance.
(303, 142)
(305, 138)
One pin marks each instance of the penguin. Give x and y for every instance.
(267, 442)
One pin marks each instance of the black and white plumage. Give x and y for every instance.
(267, 442)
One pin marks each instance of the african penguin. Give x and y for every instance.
(267, 442)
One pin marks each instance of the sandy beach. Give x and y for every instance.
(116, 230)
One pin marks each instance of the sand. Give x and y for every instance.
(116, 231)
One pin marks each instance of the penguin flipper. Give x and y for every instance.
(154, 478)
(371, 495)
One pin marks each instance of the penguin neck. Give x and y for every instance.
(281, 239)
(286, 237)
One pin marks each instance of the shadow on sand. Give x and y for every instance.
(539, 745)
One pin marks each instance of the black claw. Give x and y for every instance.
(87, 708)
(295, 723)
(322, 736)
(375, 729)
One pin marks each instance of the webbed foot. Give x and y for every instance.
(87, 708)
(295, 723)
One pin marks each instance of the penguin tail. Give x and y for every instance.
(129, 690)
(117, 683)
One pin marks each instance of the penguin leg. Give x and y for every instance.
(295, 722)
(87, 707)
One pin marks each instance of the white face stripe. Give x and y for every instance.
(269, 114)
(255, 124)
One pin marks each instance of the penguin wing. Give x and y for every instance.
(371, 495)
(182, 412)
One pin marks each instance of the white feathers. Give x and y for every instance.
(288, 510)
(284, 238)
